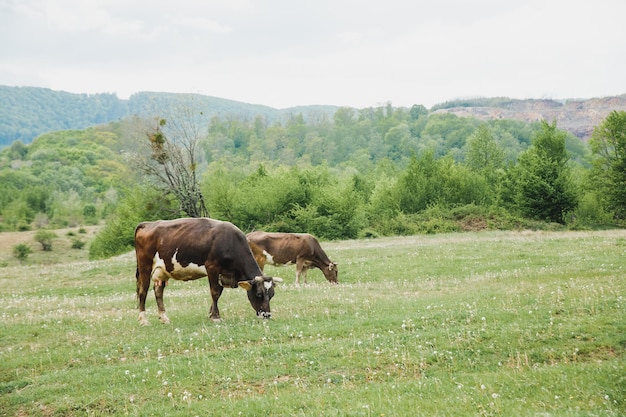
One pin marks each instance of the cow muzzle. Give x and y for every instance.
(264, 314)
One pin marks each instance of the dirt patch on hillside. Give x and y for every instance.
(10, 239)
(61, 243)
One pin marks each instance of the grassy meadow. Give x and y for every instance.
(484, 324)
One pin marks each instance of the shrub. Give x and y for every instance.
(21, 251)
(589, 211)
(77, 244)
(140, 204)
(45, 238)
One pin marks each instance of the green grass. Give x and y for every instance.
(493, 323)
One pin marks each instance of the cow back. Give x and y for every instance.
(219, 246)
(287, 247)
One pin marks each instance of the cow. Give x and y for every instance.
(191, 248)
(302, 249)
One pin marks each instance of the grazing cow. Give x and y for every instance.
(302, 249)
(187, 249)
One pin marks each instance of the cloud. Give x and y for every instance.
(202, 24)
(345, 52)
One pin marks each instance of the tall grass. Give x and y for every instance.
(493, 323)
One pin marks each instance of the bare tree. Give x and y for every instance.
(164, 150)
(174, 164)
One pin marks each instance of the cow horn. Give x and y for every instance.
(276, 279)
(258, 279)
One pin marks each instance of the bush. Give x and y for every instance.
(22, 251)
(77, 244)
(398, 225)
(45, 238)
(140, 204)
(589, 212)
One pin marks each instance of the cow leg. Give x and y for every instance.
(159, 287)
(300, 271)
(143, 285)
(216, 292)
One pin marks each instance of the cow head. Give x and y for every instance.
(260, 292)
(331, 272)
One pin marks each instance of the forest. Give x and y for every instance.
(27, 112)
(340, 175)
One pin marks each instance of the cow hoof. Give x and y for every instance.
(143, 321)
(216, 319)
(164, 319)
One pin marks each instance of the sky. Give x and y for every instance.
(285, 53)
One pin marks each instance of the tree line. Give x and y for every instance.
(27, 112)
(373, 172)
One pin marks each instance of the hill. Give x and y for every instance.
(577, 116)
(27, 112)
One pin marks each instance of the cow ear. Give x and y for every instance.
(245, 285)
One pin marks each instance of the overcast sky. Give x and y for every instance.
(284, 53)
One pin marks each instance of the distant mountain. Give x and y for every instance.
(578, 116)
(26, 112)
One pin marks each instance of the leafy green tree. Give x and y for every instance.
(483, 153)
(420, 184)
(544, 187)
(397, 140)
(17, 150)
(17, 215)
(383, 203)
(428, 181)
(608, 144)
(448, 131)
(485, 157)
(417, 111)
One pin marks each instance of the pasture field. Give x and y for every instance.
(489, 323)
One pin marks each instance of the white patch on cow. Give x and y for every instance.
(267, 285)
(268, 257)
(160, 274)
(159, 271)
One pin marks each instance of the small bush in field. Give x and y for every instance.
(21, 251)
(45, 238)
(77, 244)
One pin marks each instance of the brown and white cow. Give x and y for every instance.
(302, 249)
(188, 249)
